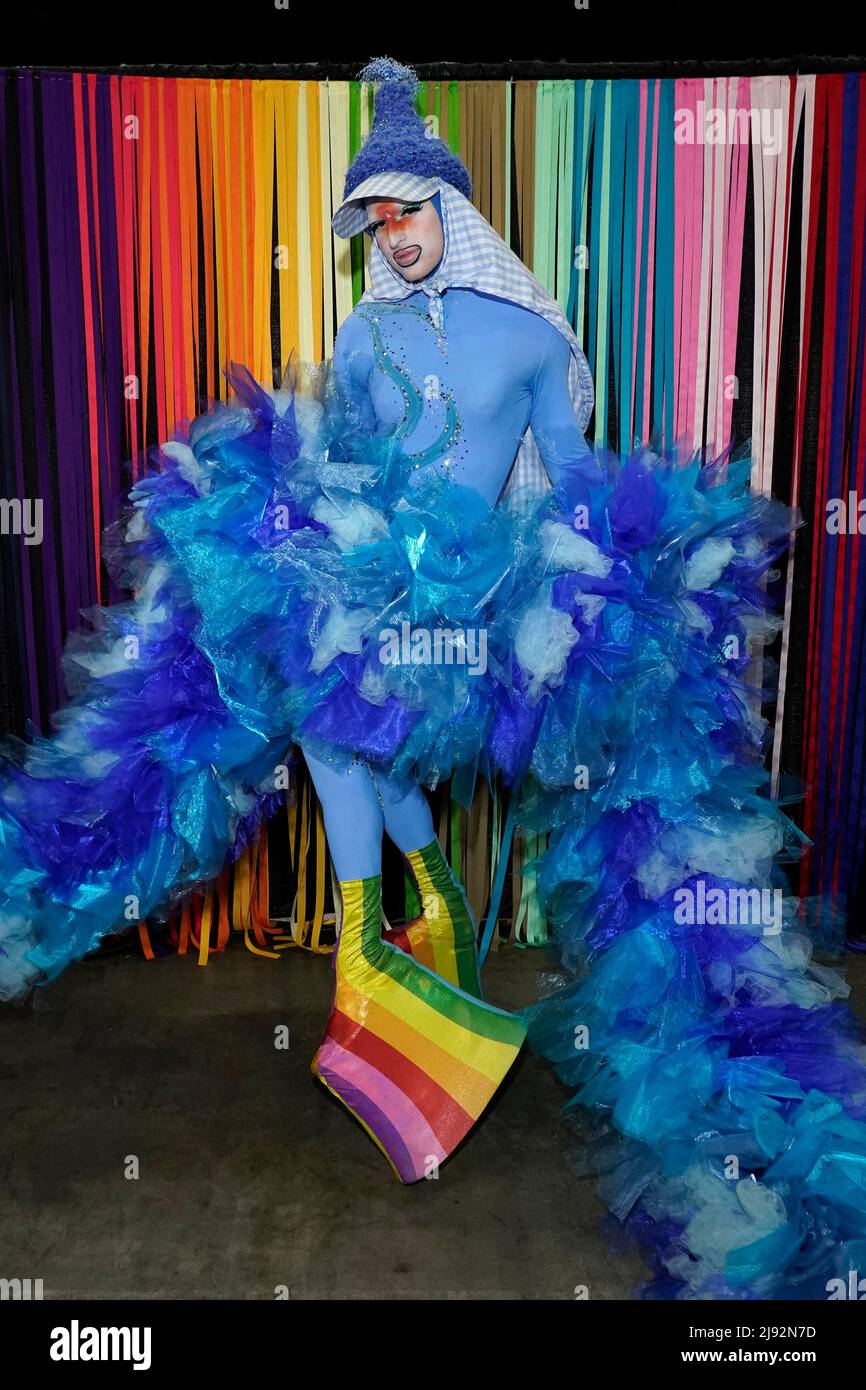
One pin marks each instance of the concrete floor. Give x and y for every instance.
(250, 1176)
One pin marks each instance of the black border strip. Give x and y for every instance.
(517, 69)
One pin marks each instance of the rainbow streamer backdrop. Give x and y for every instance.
(155, 229)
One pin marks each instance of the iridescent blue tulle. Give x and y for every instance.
(727, 1089)
(271, 557)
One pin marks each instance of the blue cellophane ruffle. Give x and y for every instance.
(270, 556)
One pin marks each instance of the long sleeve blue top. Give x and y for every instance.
(493, 369)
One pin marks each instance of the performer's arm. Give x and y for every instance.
(553, 422)
(353, 362)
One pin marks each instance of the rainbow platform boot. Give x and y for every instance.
(413, 1057)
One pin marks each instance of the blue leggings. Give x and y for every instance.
(358, 803)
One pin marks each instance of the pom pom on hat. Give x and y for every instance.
(389, 71)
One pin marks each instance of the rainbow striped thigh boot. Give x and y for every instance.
(414, 1058)
(444, 937)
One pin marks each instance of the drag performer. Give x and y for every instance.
(424, 572)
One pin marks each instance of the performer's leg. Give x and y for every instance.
(353, 817)
(406, 811)
(444, 937)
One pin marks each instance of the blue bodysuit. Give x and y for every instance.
(495, 369)
(500, 368)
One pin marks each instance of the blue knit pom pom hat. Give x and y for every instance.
(399, 144)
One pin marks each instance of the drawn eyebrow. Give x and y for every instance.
(406, 207)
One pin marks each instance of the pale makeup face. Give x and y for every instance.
(409, 235)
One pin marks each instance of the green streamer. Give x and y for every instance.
(565, 201)
(454, 117)
(544, 189)
(356, 249)
(644, 262)
(455, 839)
